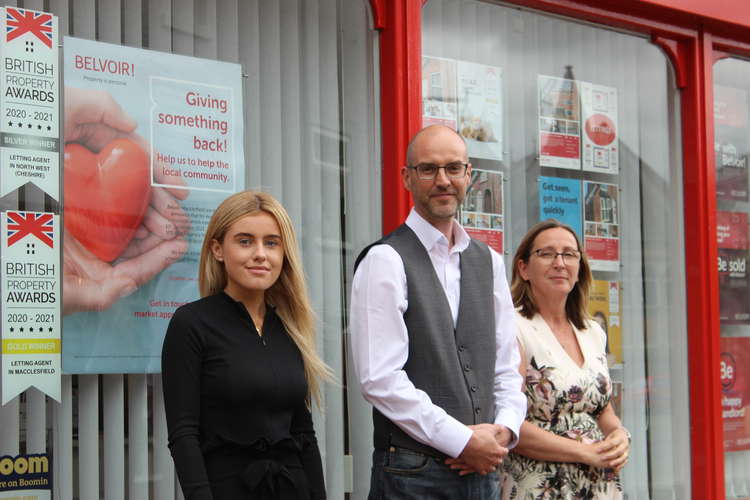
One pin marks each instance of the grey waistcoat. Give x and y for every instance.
(454, 366)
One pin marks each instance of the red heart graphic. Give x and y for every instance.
(106, 195)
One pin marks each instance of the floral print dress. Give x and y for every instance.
(565, 399)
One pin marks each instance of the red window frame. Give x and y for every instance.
(687, 31)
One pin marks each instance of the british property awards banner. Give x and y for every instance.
(153, 143)
(30, 247)
(29, 108)
(31, 303)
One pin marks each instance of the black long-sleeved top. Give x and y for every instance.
(234, 398)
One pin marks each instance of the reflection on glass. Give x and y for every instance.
(586, 122)
(732, 146)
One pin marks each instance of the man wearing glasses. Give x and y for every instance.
(433, 340)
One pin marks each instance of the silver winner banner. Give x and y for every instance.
(30, 101)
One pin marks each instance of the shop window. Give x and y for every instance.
(580, 123)
(732, 147)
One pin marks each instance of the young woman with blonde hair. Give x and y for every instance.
(239, 366)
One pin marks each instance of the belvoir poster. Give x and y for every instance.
(153, 143)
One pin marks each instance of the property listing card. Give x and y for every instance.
(439, 98)
(561, 199)
(604, 308)
(599, 132)
(734, 286)
(480, 109)
(601, 225)
(482, 212)
(735, 392)
(559, 123)
(731, 143)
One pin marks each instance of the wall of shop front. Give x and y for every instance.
(333, 92)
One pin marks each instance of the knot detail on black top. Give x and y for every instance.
(269, 479)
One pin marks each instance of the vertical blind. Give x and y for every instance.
(310, 139)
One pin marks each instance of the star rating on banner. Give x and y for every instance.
(21, 125)
(39, 329)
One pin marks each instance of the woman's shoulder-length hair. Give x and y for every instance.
(577, 302)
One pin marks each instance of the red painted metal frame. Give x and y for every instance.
(692, 59)
(707, 441)
(400, 97)
(688, 44)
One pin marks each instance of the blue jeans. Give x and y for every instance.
(400, 474)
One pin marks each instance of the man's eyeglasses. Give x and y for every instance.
(428, 171)
(548, 255)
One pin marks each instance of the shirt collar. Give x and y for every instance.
(430, 236)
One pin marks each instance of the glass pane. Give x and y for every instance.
(569, 121)
(732, 145)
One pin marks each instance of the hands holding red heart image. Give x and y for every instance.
(120, 231)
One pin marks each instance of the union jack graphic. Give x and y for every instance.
(38, 224)
(20, 21)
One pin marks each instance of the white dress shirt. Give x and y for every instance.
(380, 342)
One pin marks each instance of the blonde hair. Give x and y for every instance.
(288, 294)
(578, 298)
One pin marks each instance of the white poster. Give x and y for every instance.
(30, 303)
(599, 137)
(30, 103)
(480, 109)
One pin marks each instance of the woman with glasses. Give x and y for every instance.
(239, 366)
(572, 444)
